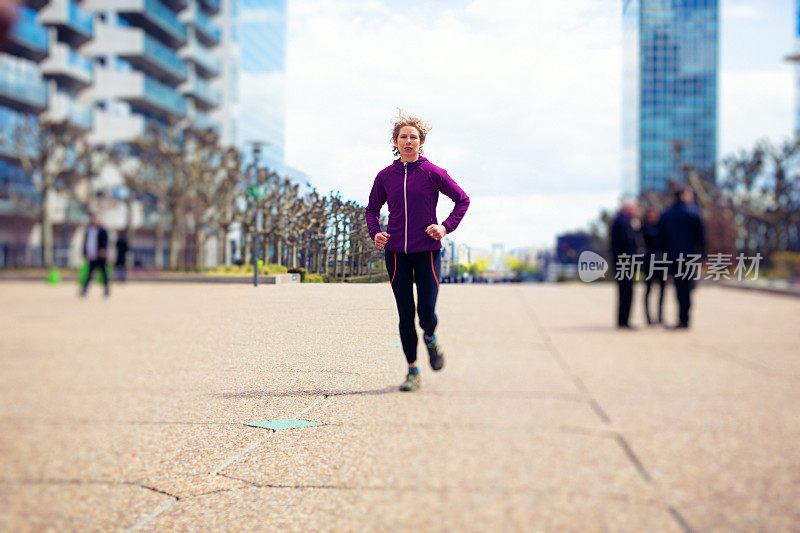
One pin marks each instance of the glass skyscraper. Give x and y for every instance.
(670, 91)
(262, 78)
(795, 58)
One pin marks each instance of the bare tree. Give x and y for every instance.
(50, 155)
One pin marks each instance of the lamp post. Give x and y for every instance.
(255, 192)
(677, 146)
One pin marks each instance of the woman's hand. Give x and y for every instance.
(436, 231)
(381, 239)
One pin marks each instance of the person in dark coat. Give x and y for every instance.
(95, 247)
(653, 251)
(623, 242)
(122, 252)
(682, 236)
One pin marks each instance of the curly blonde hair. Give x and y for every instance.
(404, 120)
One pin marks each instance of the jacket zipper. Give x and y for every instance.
(405, 205)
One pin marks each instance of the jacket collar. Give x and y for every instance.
(398, 164)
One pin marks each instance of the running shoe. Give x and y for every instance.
(435, 354)
(412, 382)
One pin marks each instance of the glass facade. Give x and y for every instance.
(796, 58)
(670, 91)
(262, 79)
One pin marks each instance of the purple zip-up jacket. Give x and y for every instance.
(412, 190)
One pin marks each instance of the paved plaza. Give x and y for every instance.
(133, 412)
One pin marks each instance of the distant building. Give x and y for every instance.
(795, 58)
(529, 255)
(44, 76)
(111, 68)
(155, 62)
(669, 91)
(463, 255)
(447, 256)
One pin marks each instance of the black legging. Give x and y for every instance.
(404, 270)
(657, 279)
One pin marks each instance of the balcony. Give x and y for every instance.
(212, 6)
(139, 90)
(68, 16)
(109, 128)
(204, 95)
(21, 88)
(176, 5)
(63, 107)
(208, 65)
(156, 17)
(27, 37)
(66, 64)
(206, 30)
(165, 59)
(141, 50)
(164, 97)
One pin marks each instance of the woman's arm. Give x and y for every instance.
(450, 188)
(377, 197)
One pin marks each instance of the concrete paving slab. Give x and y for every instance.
(696, 468)
(476, 411)
(335, 509)
(545, 416)
(117, 452)
(78, 505)
(184, 487)
(248, 509)
(433, 458)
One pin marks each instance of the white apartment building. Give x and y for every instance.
(111, 67)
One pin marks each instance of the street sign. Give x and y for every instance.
(256, 191)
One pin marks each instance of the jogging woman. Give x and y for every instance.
(411, 187)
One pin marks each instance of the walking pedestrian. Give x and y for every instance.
(412, 242)
(120, 263)
(653, 252)
(683, 238)
(623, 250)
(95, 246)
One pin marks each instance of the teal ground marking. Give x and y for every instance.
(284, 423)
(393, 344)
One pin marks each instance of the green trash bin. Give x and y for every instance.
(53, 276)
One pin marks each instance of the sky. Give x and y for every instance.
(524, 98)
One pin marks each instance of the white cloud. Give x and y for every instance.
(755, 105)
(491, 79)
(524, 97)
(743, 10)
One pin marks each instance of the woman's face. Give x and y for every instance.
(408, 143)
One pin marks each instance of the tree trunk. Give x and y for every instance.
(223, 252)
(177, 240)
(47, 230)
(198, 248)
(159, 251)
(246, 259)
(129, 213)
(175, 246)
